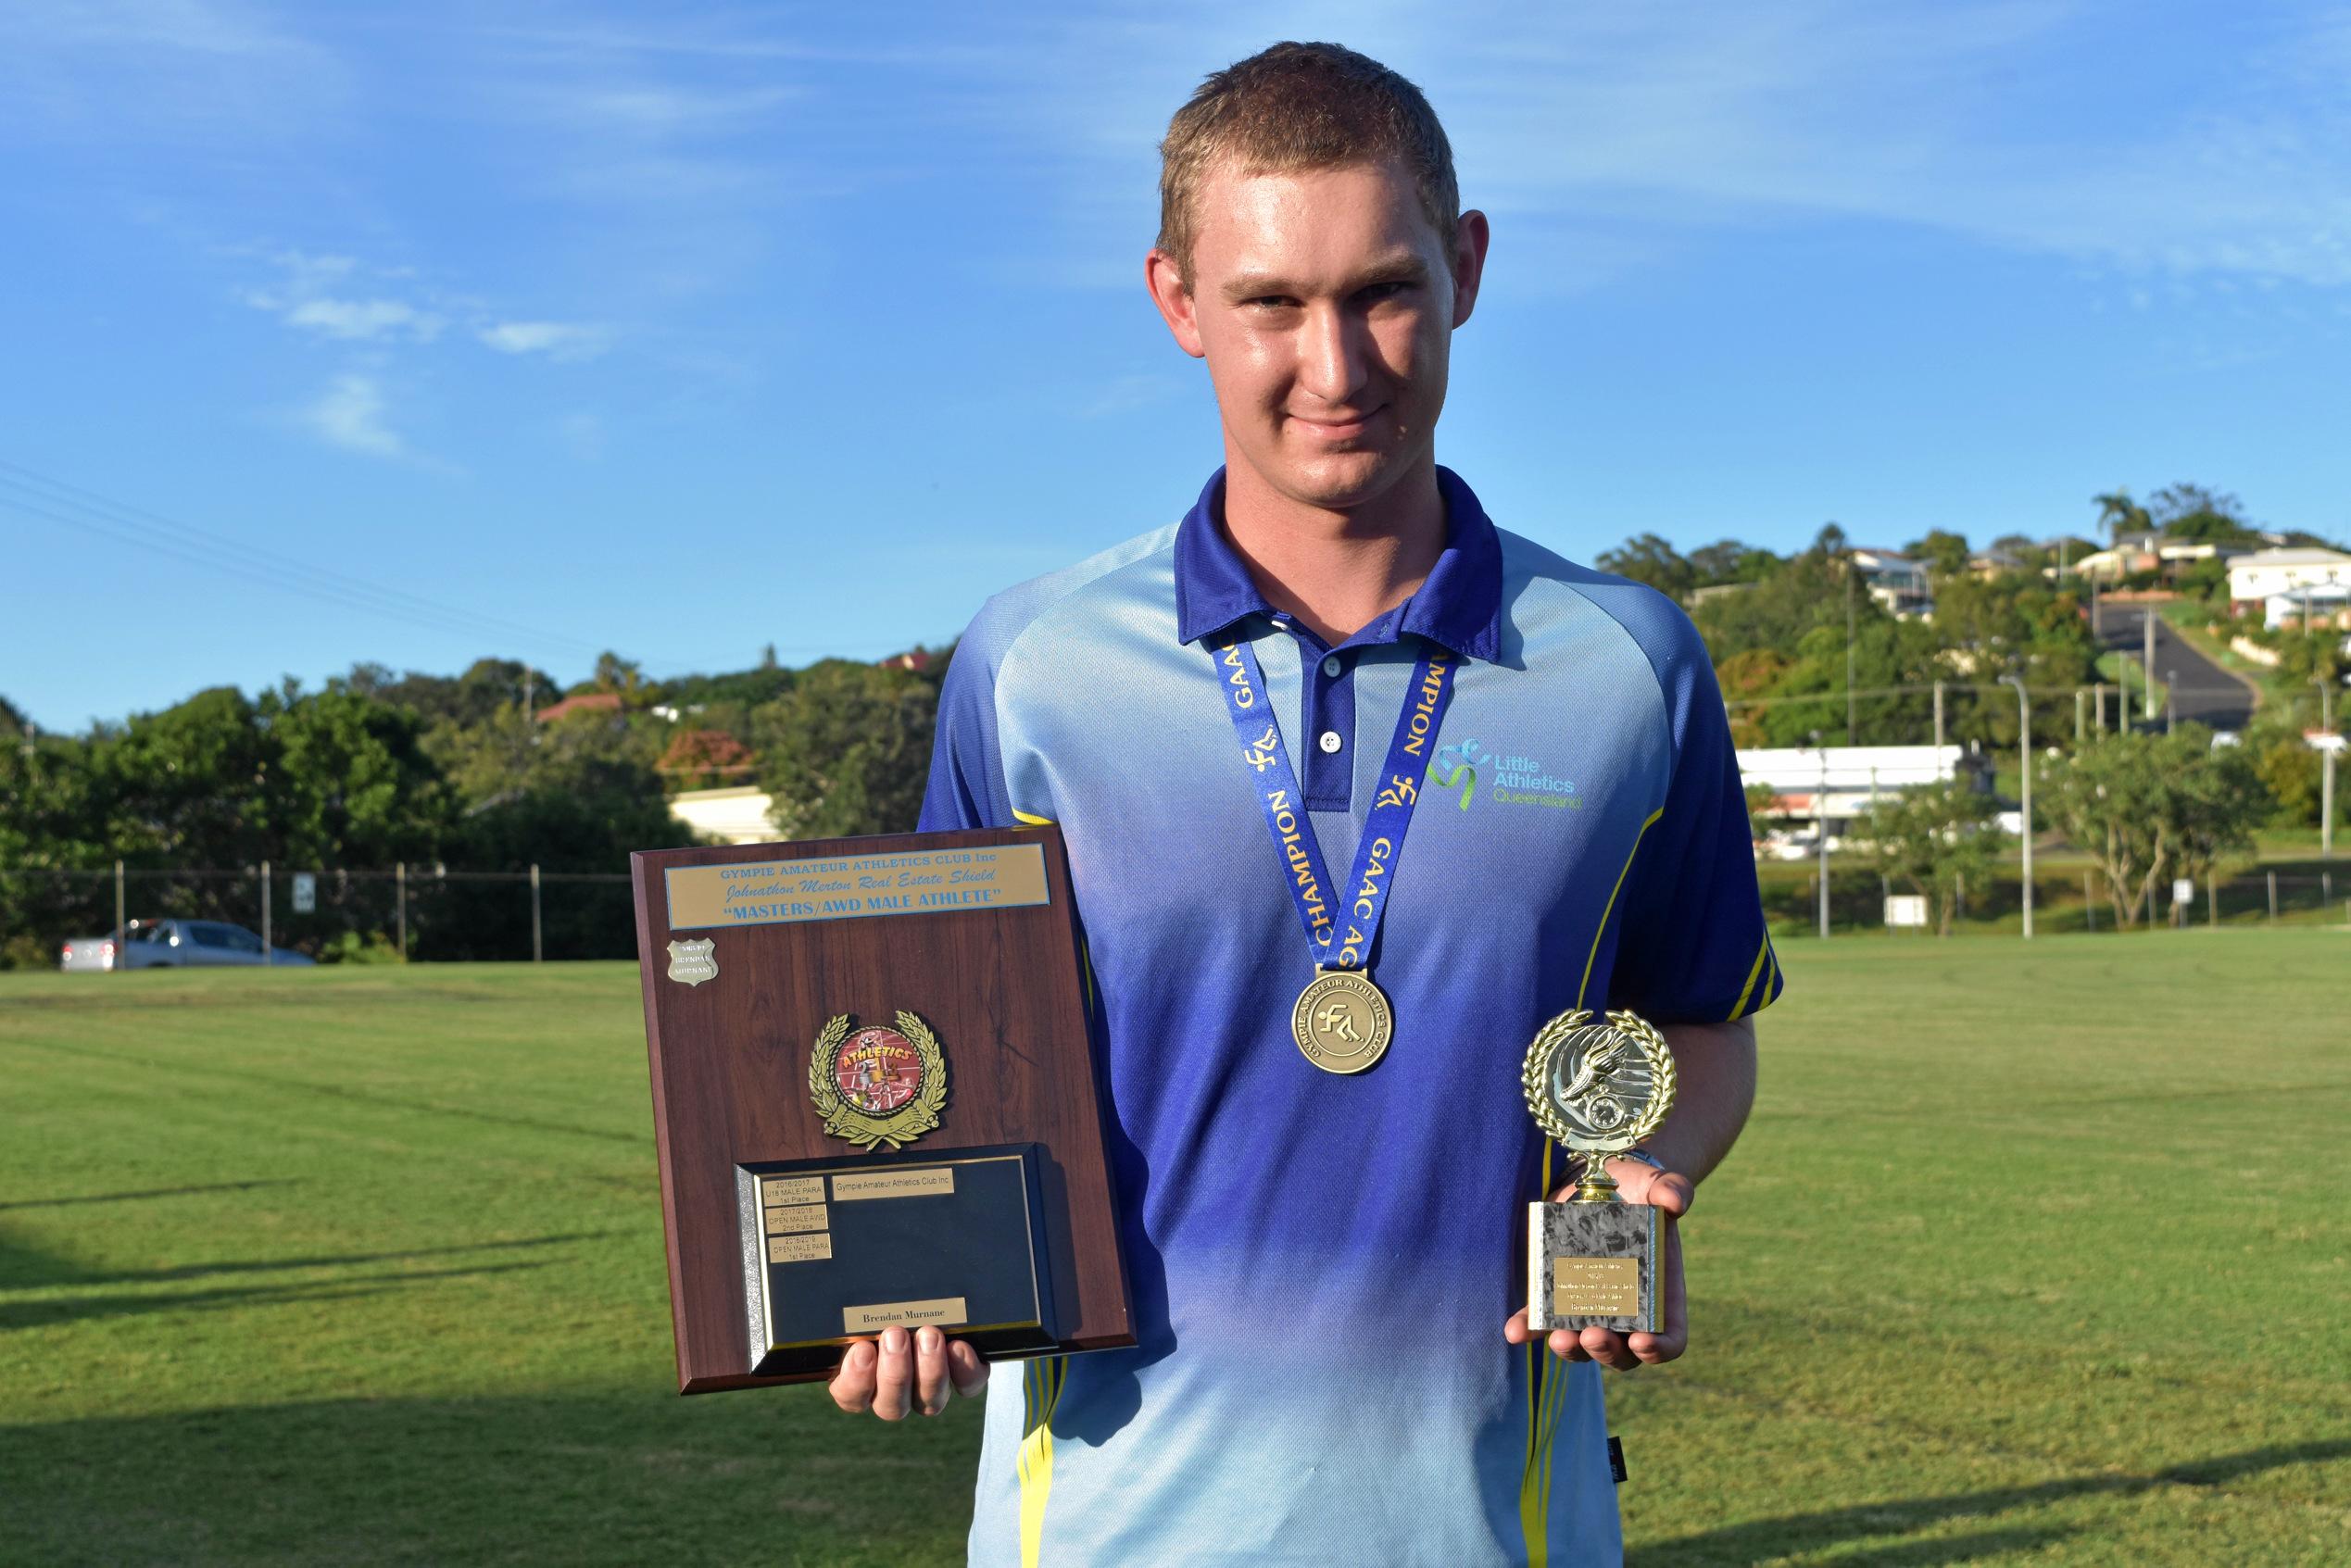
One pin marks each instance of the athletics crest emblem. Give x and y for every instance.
(877, 1085)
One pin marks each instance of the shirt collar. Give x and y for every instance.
(1459, 606)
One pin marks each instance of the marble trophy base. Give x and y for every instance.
(1591, 1264)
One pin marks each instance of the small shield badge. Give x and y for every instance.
(693, 962)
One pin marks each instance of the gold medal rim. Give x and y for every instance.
(1384, 1013)
(1536, 1074)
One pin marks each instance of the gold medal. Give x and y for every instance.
(1341, 1021)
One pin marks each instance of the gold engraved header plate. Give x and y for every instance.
(945, 1311)
(1595, 1287)
(924, 1182)
(693, 962)
(906, 882)
(1342, 1022)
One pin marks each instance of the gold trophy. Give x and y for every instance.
(1599, 1089)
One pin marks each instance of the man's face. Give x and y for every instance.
(1325, 306)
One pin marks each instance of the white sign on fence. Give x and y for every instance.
(2324, 740)
(2184, 890)
(1905, 908)
(305, 892)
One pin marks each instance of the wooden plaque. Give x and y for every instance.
(805, 1005)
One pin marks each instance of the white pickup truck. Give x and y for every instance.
(176, 944)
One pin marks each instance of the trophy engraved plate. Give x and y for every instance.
(1598, 1088)
(882, 1108)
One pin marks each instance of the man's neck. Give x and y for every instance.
(1336, 571)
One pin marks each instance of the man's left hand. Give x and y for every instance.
(1671, 1194)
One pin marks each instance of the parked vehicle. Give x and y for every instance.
(176, 944)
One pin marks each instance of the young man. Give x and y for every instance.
(1530, 757)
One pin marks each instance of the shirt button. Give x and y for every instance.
(1331, 667)
(1329, 742)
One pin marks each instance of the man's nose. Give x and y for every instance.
(1333, 355)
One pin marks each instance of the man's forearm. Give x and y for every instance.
(1715, 1066)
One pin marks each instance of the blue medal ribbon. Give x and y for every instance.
(1339, 923)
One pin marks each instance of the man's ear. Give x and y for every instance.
(1470, 236)
(1165, 280)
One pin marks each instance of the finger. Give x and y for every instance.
(1514, 1331)
(1564, 1344)
(1607, 1347)
(852, 1385)
(1671, 1191)
(965, 1366)
(894, 1375)
(931, 1388)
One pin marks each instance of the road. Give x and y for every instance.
(2201, 690)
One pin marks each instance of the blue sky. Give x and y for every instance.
(430, 330)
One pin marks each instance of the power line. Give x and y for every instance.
(33, 493)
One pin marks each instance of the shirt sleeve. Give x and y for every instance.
(1694, 947)
(966, 788)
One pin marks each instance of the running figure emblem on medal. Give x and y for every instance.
(1599, 1088)
(1341, 1021)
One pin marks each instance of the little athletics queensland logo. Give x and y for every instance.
(1509, 780)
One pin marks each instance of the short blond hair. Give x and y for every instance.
(1299, 106)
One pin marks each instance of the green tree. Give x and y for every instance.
(847, 749)
(2118, 515)
(1649, 558)
(2148, 807)
(1727, 560)
(353, 785)
(1945, 553)
(1934, 838)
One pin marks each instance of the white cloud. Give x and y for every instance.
(363, 319)
(556, 340)
(350, 414)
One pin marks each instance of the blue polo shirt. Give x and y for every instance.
(1322, 1265)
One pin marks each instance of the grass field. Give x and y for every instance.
(2030, 1255)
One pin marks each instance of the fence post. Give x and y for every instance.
(538, 952)
(268, 958)
(2080, 716)
(2274, 896)
(121, 926)
(2089, 904)
(400, 904)
(2212, 900)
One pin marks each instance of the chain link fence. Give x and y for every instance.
(417, 911)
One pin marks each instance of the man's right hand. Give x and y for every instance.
(902, 1371)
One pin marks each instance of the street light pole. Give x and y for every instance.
(2024, 759)
(2146, 661)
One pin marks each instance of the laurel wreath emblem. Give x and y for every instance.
(901, 1126)
(1637, 1124)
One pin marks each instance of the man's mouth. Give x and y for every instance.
(1342, 426)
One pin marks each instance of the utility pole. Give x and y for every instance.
(1820, 819)
(2326, 766)
(2146, 660)
(1852, 727)
(2024, 759)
